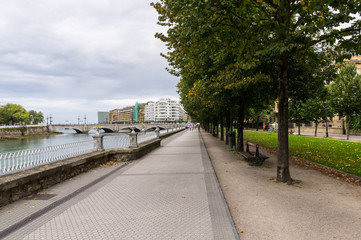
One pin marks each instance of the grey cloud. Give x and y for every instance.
(89, 54)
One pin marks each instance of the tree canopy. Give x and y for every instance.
(12, 114)
(345, 93)
(236, 55)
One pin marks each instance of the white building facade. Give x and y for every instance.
(163, 110)
(149, 112)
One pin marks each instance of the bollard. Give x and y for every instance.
(98, 145)
(157, 130)
(133, 139)
(231, 139)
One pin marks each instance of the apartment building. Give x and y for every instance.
(114, 115)
(139, 112)
(126, 114)
(149, 110)
(164, 110)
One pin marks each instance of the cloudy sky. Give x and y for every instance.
(73, 58)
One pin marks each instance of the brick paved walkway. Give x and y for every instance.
(172, 193)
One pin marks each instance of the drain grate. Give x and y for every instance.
(40, 197)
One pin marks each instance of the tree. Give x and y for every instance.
(36, 117)
(345, 94)
(295, 113)
(14, 114)
(355, 123)
(300, 28)
(314, 110)
(213, 53)
(231, 40)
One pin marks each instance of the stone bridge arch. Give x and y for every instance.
(106, 130)
(151, 129)
(130, 129)
(59, 130)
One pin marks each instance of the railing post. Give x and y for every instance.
(99, 146)
(133, 139)
(157, 130)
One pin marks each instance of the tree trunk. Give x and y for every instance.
(221, 122)
(299, 128)
(347, 128)
(257, 123)
(343, 127)
(217, 129)
(227, 126)
(316, 123)
(283, 171)
(240, 127)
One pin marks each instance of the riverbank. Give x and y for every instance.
(19, 131)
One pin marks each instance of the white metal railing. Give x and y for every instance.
(146, 136)
(116, 141)
(19, 160)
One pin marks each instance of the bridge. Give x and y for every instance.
(112, 128)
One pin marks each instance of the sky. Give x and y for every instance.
(71, 59)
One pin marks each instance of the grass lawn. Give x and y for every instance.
(338, 154)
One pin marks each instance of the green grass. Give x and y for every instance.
(337, 154)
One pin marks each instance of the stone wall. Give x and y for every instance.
(23, 131)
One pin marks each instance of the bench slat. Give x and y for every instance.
(255, 158)
(252, 144)
(247, 155)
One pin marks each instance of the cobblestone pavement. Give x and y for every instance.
(172, 193)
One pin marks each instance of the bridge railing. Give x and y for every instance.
(116, 141)
(146, 136)
(24, 159)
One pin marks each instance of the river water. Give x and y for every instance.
(40, 142)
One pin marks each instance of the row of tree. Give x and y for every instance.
(14, 114)
(341, 97)
(236, 57)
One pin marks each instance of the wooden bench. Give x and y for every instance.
(255, 158)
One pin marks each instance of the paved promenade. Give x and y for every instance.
(171, 193)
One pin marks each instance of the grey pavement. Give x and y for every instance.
(171, 193)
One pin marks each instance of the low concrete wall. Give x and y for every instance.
(320, 129)
(21, 184)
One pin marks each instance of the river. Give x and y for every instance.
(40, 142)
